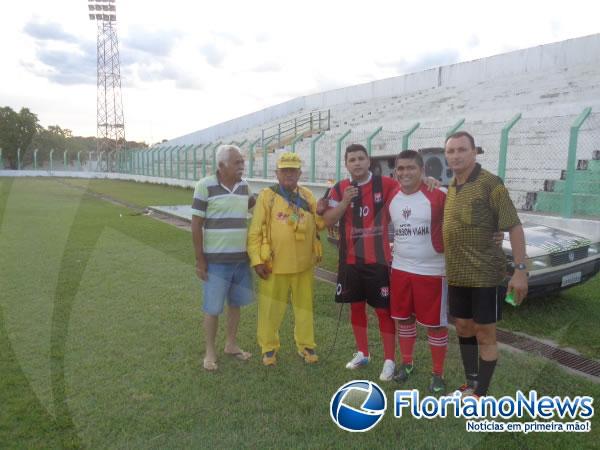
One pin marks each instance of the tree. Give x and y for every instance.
(44, 141)
(22, 130)
(16, 131)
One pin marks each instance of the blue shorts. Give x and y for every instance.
(231, 281)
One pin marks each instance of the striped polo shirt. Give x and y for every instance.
(225, 214)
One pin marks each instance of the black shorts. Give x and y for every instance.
(360, 282)
(482, 304)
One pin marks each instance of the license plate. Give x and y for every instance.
(572, 278)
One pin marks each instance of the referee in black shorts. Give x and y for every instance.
(477, 205)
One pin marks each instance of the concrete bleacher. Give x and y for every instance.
(548, 85)
(586, 190)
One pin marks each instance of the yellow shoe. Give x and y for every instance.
(309, 355)
(269, 358)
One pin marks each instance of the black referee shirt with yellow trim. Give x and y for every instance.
(474, 211)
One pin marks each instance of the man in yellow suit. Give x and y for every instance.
(284, 246)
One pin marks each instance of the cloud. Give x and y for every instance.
(214, 56)
(423, 62)
(158, 71)
(228, 37)
(60, 56)
(263, 37)
(153, 42)
(473, 41)
(188, 82)
(48, 31)
(63, 67)
(267, 66)
(145, 55)
(69, 67)
(130, 57)
(434, 59)
(326, 83)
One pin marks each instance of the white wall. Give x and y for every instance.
(588, 228)
(98, 175)
(256, 184)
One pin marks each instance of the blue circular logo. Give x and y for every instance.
(358, 405)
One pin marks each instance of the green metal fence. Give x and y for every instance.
(549, 164)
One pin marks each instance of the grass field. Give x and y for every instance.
(101, 345)
(570, 318)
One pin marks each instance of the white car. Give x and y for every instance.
(556, 259)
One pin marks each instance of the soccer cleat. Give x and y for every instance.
(309, 355)
(269, 358)
(437, 385)
(403, 373)
(358, 360)
(468, 388)
(388, 370)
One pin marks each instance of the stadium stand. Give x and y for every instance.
(548, 85)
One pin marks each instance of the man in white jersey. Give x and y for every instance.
(417, 282)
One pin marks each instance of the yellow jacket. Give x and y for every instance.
(291, 244)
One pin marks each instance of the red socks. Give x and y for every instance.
(387, 329)
(407, 336)
(438, 344)
(358, 318)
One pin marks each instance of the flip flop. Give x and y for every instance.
(209, 365)
(241, 355)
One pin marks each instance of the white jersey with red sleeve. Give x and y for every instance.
(418, 241)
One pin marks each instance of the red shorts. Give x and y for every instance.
(422, 296)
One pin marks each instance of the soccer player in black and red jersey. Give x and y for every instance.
(360, 205)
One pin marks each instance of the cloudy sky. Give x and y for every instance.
(186, 65)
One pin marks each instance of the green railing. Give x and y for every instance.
(370, 140)
(265, 150)
(313, 156)
(338, 155)
(304, 124)
(567, 205)
(406, 136)
(504, 145)
(508, 150)
(251, 157)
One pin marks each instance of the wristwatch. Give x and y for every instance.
(521, 266)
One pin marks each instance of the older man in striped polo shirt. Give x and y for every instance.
(219, 220)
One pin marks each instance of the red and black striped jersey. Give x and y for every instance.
(364, 226)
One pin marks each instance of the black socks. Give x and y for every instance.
(469, 352)
(486, 370)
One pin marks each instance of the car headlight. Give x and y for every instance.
(539, 262)
(594, 249)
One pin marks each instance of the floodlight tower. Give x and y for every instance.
(109, 112)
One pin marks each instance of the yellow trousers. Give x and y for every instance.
(273, 296)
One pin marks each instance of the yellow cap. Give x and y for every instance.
(289, 160)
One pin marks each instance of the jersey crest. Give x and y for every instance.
(406, 213)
